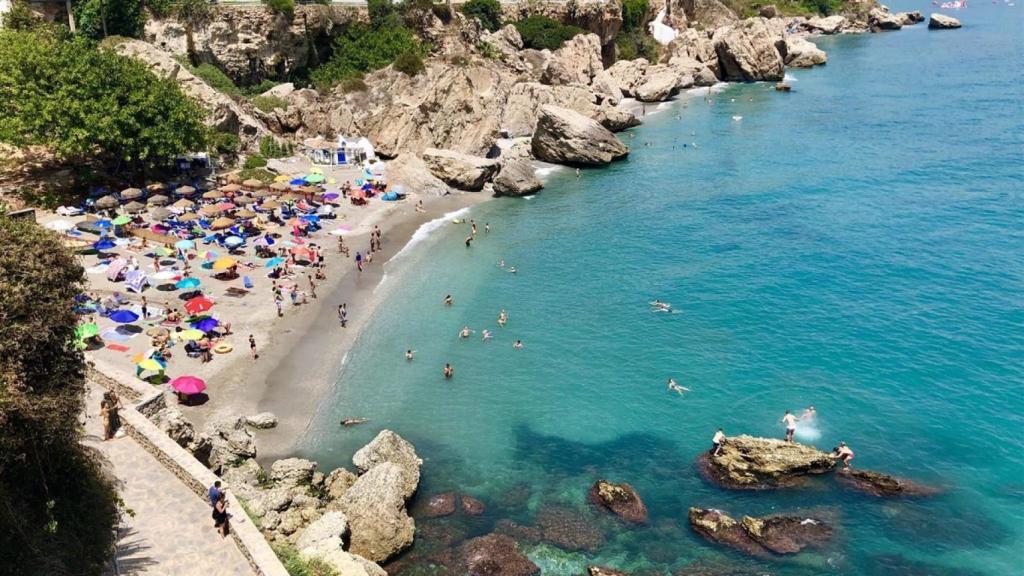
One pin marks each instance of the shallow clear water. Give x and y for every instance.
(857, 244)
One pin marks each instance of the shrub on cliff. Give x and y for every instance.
(88, 104)
(101, 18)
(633, 41)
(540, 32)
(57, 509)
(268, 103)
(285, 7)
(488, 12)
(364, 48)
(409, 62)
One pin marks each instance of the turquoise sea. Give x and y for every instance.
(857, 244)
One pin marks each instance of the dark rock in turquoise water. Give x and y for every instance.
(515, 497)
(619, 499)
(760, 536)
(433, 536)
(494, 555)
(749, 463)
(882, 485)
(604, 571)
(437, 506)
(568, 529)
(471, 505)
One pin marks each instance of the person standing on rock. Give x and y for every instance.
(790, 420)
(716, 442)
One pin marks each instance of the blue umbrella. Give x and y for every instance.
(298, 182)
(104, 244)
(184, 244)
(233, 241)
(275, 261)
(311, 218)
(103, 224)
(124, 316)
(206, 324)
(187, 283)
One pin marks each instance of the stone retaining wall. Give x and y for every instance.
(186, 468)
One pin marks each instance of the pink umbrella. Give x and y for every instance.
(188, 385)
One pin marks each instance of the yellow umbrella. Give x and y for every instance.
(191, 334)
(150, 364)
(224, 262)
(282, 178)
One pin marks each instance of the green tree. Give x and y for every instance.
(540, 32)
(380, 11)
(57, 510)
(364, 48)
(98, 19)
(19, 17)
(488, 12)
(85, 103)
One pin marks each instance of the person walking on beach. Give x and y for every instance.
(278, 301)
(312, 286)
(342, 314)
(448, 371)
(717, 441)
(252, 347)
(790, 420)
(359, 261)
(145, 308)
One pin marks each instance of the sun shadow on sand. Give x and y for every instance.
(132, 557)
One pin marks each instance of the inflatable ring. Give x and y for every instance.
(222, 348)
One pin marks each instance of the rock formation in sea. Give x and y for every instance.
(749, 463)
(882, 485)
(942, 22)
(619, 499)
(566, 137)
(760, 536)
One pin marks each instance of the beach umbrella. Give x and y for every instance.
(232, 241)
(133, 207)
(270, 205)
(264, 193)
(208, 254)
(160, 213)
(191, 334)
(230, 188)
(331, 196)
(150, 364)
(121, 220)
(104, 244)
(243, 200)
(210, 210)
(158, 200)
(279, 186)
(282, 178)
(187, 284)
(198, 304)
(131, 194)
(309, 190)
(298, 182)
(224, 262)
(156, 187)
(183, 204)
(107, 202)
(310, 218)
(124, 316)
(184, 244)
(60, 225)
(289, 197)
(222, 223)
(86, 331)
(253, 184)
(225, 206)
(206, 324)
(274, 262)
(314, 178)
(162, 251)
(188, 217)
(185, 191)
(103, 224)
(188, 385)
(213, 195)
(245, 214)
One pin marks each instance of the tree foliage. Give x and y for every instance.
(19, 17)
(488, 12)
(98, 19)
(57, 510)
(363, 48)
(540, 32)
(83, 102)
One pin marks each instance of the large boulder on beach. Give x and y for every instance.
(747, 53)
(292, 472)
(262, 421)
(700, 73)
(576, 62)
(750, 463)
(460, 170)
(517, 178)
(825, 24)
(624, 75)
(798, 52)
(494, 555)
(942, 22)
(410, 171)
(230, 442)
(522, 108)
(388, 447)
(566, 137)
(882, 485)
(329, 530)
(375, 508)
(760, 537)
(619, 499)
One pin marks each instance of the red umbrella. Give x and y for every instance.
(198, 305)
(188, 385)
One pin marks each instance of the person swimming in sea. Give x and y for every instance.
(512, 269)
(487, 335)
(659, 306)
(675, 387)
(409, 353)
(448, 300)
(465, 332)
(808, 415)
(448, 371)
(502, 318)
(518, 345)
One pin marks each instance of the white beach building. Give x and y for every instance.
(342, 151)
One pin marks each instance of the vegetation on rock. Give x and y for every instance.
(57, 509)
(540, 32)
(488, 12)
(269, 103)
(633, 40)
(285, 7)
(98, 19)
(409, 62)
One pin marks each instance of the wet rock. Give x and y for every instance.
(825, 25)
(619, 499)
(517, 178)
(459, 170)
(292, 472)
(719, 528)
(566, 137)
(495, 555)
(440, 505)
(747, 53)
(390, 447)
(518, 532)
(263, 420)
(568, 529)
(882, 485)
(760, 536)
(910, 18)
(942, 22)
(471, 505)
(375, 507)
(750, 463)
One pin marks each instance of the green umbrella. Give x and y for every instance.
(121, 220)
(315, 178)
(85, 331)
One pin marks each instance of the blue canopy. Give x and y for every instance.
(187, 283)
(298, 182)
(206, 324)
(103, 224)
(104, 244)
(124, 316)
(275, 261)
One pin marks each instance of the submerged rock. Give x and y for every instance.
(750, 463)
(760, 536)
(471, 505)
(604, 571)
(566, 137)
(495, 555)
(942, 22)
(439, 505)
(568, 529)
(882, 485)
(619, 499)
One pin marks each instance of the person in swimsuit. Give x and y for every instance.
(465, 332)
(518, 345)
(502, 318)
(448, 300)
(487, 335)
(790, 420)
(716, 442)
(408, 354)
(675, 387)
(448, 371)
(808, 415)
(843, 453)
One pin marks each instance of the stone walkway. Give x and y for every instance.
(171, 532)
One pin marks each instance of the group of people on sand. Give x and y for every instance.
(842, 452)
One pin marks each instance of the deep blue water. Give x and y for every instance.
(857, 244)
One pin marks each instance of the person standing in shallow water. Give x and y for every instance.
(790, 420)
(448, 371)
